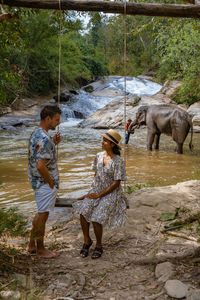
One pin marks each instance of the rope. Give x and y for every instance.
(125, 96)
(59, 61)
(59, 52)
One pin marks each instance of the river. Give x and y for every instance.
(76, 153)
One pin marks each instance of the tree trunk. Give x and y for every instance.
(162, 10)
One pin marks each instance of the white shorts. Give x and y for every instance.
(45, 198)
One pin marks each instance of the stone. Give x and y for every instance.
(76, 294)
(193, 295)
(88, 89)
(94, 85)
(194, 111)
(151, 74)
(101, 290)
(164, 271)
(74, 92)
(24, 280)
(176, 289)
(25, 103)
(169, 88)
(112, 115)
(63, 97)
(78, 114)
(11, 295)
(5, 110)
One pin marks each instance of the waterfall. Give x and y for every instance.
(84, 104)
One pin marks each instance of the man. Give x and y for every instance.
(127, 132)
(44, 176)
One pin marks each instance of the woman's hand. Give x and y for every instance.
(90, 196)
(81, 198)
(93, 196)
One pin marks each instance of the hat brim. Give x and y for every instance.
(108, 138)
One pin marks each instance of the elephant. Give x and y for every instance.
(165, 118)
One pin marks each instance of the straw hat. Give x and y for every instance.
(113, 136)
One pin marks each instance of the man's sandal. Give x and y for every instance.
(97, 253)
(85, 247)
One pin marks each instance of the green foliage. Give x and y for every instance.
(189, 91)
(179, 50)
(169, 216)
(137, 186)
(29, 51)
(9, 72)
(12, 223)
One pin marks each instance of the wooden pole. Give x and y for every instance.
(147, 9)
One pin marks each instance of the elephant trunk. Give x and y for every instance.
(132, 126)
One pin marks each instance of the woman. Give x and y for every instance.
(104, 204)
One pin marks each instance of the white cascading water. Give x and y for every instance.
(86, 104)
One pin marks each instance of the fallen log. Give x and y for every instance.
(132, 8)
(180, 235)
(64, 202)
(175, 257)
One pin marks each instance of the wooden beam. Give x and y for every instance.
(147, 9)
(64, 202)
(189, 1)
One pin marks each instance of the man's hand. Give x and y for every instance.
(42, 169)
(51, 184)
(57, 138)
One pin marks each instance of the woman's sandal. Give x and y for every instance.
(85, 247)
(97, 253)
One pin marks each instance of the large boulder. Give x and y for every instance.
(93, 86)
(194, 111)
(112, 115)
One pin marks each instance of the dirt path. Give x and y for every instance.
(126, 269)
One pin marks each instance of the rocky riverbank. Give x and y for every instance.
(24, 111)
(112, 115)
(140, 261)
(150, 258)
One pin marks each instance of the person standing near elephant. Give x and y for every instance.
(127, 131)
(104, 204)
(44, 177)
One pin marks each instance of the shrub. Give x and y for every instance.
(12, 223)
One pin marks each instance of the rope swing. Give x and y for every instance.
(59, 51)
(125, 96)
(59, 60)
(68, 201)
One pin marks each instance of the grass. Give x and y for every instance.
(12, 223)
(196, 175)
(138, 186)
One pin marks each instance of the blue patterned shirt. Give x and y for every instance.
(41, 146)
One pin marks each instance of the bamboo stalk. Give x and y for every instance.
(147, 9)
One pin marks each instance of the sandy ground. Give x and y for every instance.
(126, 268)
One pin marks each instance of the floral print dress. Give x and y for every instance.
(111, 209)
